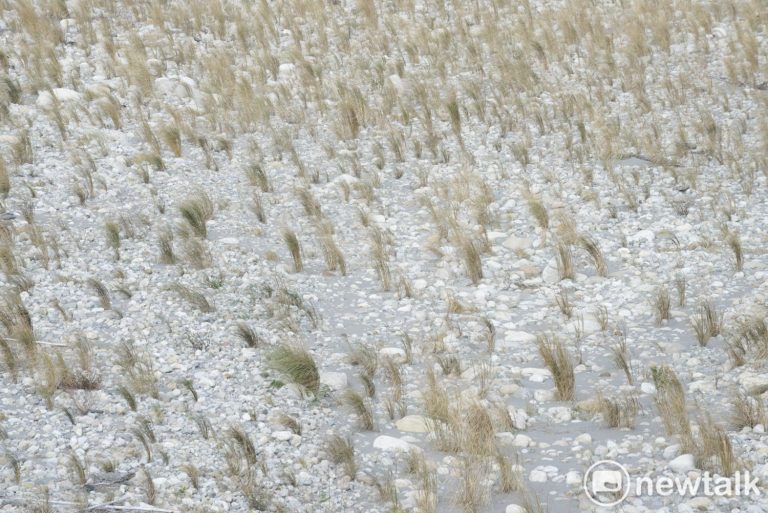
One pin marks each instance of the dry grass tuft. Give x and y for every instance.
(247, 335)
(296, 364)
(193, 297)
(559, 363)
(591, 246)
(360, 406)
(661, 305)
(670, 402)
(294, 248)
(342, 452)
(196, 211)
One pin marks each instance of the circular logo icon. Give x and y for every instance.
(606, 483)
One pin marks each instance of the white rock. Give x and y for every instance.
(412, 424)
(537, 476)
(560, 414)
(63, 95)
(671, 451)
(283, 436)
(335, 380)
(515, 508)
(642, 236)
(683, 463)
(303, 478)
(584, 439)
(419, 284)
(647, 388)
(390, 443)
(515, 340)
(700, 503)
(517, 243)
(573, 478)
(522, 440)
(396, 353)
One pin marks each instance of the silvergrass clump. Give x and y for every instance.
(510, 477)
(748, 411)
(661, 305)
(680, 286)
(715, 450)
(341, 451)
(380, 256)
(619, 412)
(243, 445)
(257, 176)
(77, 469)
(101, 292)
(193, 297)
(257, 207)
(294, 248)
(712, 318)
(591, 246)
(560, 365)
(193, 473)
(538, 211)
(472, 491)
(622, 359)
(150, 493)
(700, 329)
(112, 230)
(564, 303)
(289, 422)
(602, 317)
(204, 426)
(196, 211)
(490, 334)
(360, 406)
(5, 180)
(564, 261)
(296, 364)
(165, 243)
(734, 242)
(334, 258)
(671, 404)
(247, 335)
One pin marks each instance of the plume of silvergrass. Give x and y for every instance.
(560, 365)
(296, 364)
(591, 246)
(294, 248)
(197, 210)
(342, 452)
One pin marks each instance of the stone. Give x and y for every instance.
(334, 380)
(412, 424)
(522, 440)
(390, 443)
(515, 508)
(683, 463)
(537, 476)
(700, 503)
(573, 478)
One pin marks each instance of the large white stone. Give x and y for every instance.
(334, 380)
(390, 443)
(683, 463)
(515, 340)
(45, 100)
(412, 424)
(515, 508)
